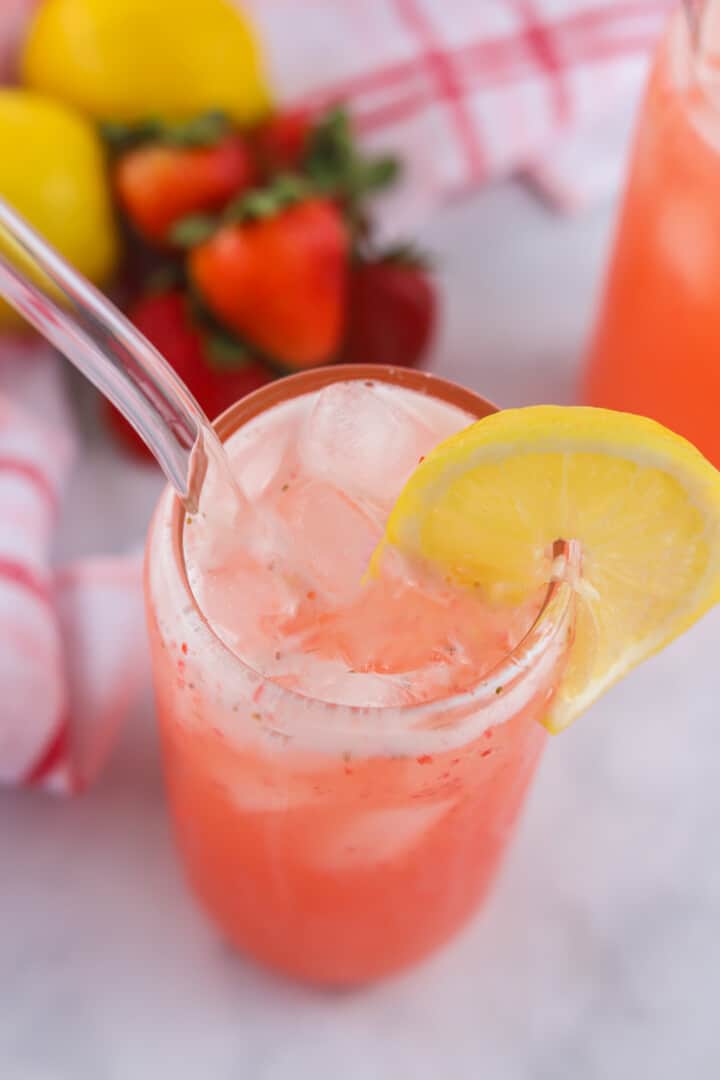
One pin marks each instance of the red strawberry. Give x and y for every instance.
(391, 312)
(165, 320)
(281, 143)
(158, 184)
(280, 281)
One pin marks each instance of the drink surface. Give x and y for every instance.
(321, 473)
(658, 335)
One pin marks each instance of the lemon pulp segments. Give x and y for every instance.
(487, 505)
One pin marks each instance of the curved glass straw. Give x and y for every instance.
(90, 331)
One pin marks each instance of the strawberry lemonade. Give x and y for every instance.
(343, 776)
(657, 339)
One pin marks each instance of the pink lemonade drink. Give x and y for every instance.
(657, 341)
(345, 756)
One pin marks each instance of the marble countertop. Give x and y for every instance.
(598, 955)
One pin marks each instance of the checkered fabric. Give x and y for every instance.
(470, 92)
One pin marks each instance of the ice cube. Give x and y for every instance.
(442, 418)
(259, 795)
(241, 586)
(331, 538)
(366, 689)
(331, 680)
(255, 786)
(362, 441)
(259, 453)
(258, 466)
(377, 836)
(242, 599)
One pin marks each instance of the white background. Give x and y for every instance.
(598, 955)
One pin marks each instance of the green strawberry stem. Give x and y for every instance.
(194, 229)
(285, 190)
(226, 353)
(335, 165)
(207, 129)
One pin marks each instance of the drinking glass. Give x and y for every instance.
(338, 843)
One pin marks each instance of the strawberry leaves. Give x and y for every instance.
(204, 130)
(335, 165)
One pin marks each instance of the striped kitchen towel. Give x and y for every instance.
(472, 92)
(72, 654)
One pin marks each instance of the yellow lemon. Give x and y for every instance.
(53, 171)
(488, 504)
(128, 59)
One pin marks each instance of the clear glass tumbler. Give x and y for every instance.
(338, 844)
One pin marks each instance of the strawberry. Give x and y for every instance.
(279, 281)
(391, 312)
(282, 142)
(164, 319)
(158, 184)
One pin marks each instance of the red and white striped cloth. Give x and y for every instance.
(71, 656)
(465, 93)
(470, 92)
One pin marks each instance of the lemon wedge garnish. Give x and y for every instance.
(486, 507)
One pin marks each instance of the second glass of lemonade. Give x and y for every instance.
(345, 758)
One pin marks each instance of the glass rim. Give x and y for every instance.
(552, 623)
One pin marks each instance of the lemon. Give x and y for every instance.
(53, 172)
(127, 59)
(486, 506)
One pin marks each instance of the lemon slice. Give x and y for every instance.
(486, 506)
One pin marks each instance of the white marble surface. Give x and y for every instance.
(598, 955)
